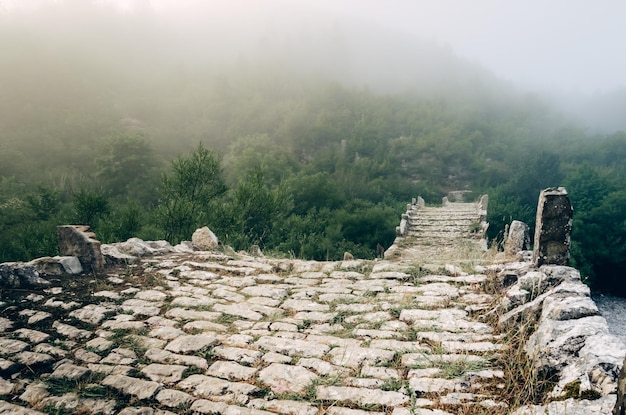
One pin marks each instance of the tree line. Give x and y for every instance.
(302, 167)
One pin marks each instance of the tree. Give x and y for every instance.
(194, 182)
(128, 166)
(257, 211)
(89, 207)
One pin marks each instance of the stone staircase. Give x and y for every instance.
(451, 232)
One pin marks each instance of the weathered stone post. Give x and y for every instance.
(553, 227)
(518, 239)
(79, 241)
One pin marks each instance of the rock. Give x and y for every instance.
(165, 374)
(553, 227)
(286, 378)
(58, 265)
(79, 241)
(361, 396)
(231, 371)
(130, 251)
(203, 239)
(9, 408)
(140, 389)
(570, 406)
(284, 407)
(518, 239)
(19, 275)
(192, 343)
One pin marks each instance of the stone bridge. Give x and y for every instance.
(437, 327)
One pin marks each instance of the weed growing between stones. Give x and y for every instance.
(339, 317)
(523, 383)
(393, 385)
(83, 387)
(227, 319)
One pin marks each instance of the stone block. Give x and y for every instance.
(553, 227)
(79, 241)
(518, 239)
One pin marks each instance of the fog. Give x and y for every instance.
(566, 50)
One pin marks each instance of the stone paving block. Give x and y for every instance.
(437, 385)
(120, 356)
(207, 386)
(166, 333)
(166, 374)
(144, 411)
(286, 378)
(178, 313)
(231, 371)
(140, 389)
(6, 387)
(284, 407)
(11, 346)
(361, 396)
(141, 307)
(151, 295)
(69, 371)
(265, 291)
(292, 346)
(192, 343)
(239, 311)
(31, 359)
(11, 409)
(321, 367)
(237, 354)
(204, 325)
(191, 302)
(33, 336)
(86, 356)
(399, 346)
(353, 357)
(109, 369)
(422, 411)
(166, 357)
(99, 344)
(335, 410)
(92, 313)
(173, 398)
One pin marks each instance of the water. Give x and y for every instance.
(613, 309)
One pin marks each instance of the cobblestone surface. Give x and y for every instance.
(212, 333)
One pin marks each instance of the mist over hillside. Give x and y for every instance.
(310, 131)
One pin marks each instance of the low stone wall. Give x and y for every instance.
(571, 343)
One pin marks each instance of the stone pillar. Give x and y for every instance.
(403, 225)
(79, 241)
(553, 227)
(518, 239)
(420, 202)
(483, 202)
(445, 201)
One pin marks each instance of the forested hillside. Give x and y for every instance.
(127, 131)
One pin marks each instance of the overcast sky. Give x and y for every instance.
(567, 44)
(570, 45)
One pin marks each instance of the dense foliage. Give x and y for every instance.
(299, 165)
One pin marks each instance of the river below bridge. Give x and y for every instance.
(613, 309)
